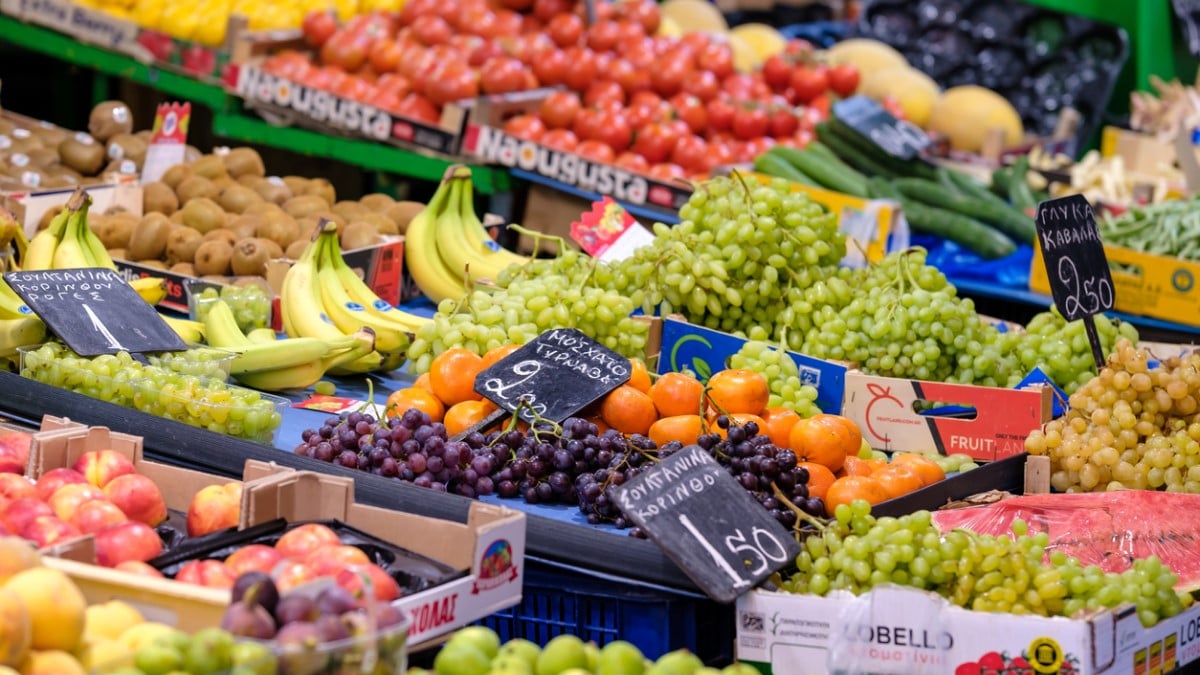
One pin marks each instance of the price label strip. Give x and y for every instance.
(1080, 279)
(707, 523)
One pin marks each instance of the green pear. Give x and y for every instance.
(620, 658)
(561, 654)
(461, 659)
(484, 639)
(523, 649)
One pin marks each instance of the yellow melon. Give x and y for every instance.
(966, 115)
(915, 91)
(763, 39)
(694, 15)
(868, 55)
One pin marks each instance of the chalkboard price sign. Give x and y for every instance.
(559, 373)
(95, 311)
(1080, 279)
(708, 524)
(898, 138)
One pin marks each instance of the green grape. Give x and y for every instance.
(1061, 348)
(204, 362)
(782, 374)
(250, 303)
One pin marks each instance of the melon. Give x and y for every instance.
(745, 59)
(694, 15)
(763, 39)
(867, 55)
(966, 114)
(915, 91)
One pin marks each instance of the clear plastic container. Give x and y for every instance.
(206, 403)
(248, 297)
(198, 360)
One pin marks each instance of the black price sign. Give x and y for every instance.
(95, 311)
(708, 524)
(559, 373)
(898, 138)
(1080, 279)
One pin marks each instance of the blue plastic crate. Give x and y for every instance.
(601, 608)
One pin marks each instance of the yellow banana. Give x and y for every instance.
(486, 258)
(93, 248)
(24, 332)
(434, 277)
(70, 253)
(11, 304)
(152, 289)
(304, 375)
(361, 293)
(221, 328)
(262, 335)
(191, 332)
(40, 253)
(346, 314)
(282, 354)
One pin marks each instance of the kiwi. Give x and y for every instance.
(145, 134)
(182, 244)
(43, 158)
(117, 230)
(46, 180)
(127, 146)
(222, 182)
(158, 197)
(216, 279)
(305, 205)
(359, 235)
(307, 226)
(250, 257)
(203, 215)
(183, 268)
(149, 237)
(274, 250)
(177, 218)
(118, 254)
(237, 198)
(44, 221)
(265, 209)
(350, 210)
(175, 175)
(221, 234)
(297, 184)
(321, 188)
(251, 181)
(377, 201)
(244, 162)
(245, 226)
(114, 209)
(209, 166)
(273, 190)
(153, 263)
(382, 224)
(212, 257)
(191, 153)
(196, 187)
(120, 167)
(22, 140)
(82, 153)
(402, 213)
(50, 134)
(296, 249)
(6, 127)
(283, 231)
(109, 119)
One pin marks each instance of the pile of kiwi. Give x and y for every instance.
(220, 215)
(40, 155)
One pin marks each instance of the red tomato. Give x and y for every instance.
(720, 114)
(318, 27)
(597, 151)
(628, 30)
(893, 106)
(517, 5)
(655, 142)
(666, 172)
(604, 10)
(615, 130)
(417, 107)
(385, 56)
(603, 35)
(798, 48)
(631, 78)
(602, 92)
(644, 12)
(777, 72)
(750, 121)
(783, 123)
(739, 86)
(703, 85)
(641, 114)
(344, 50)
(692, 111)
(396, 84)
(560, 139)
(501, 75)
(451, 82)
(528, 127)
(755, 147)
(695, 41)
(565, 30)
(550, 67)
(821, 107)
(691, 152)
(646, 98)
(507, 24)
(809, 82)
(482, 50)
(589, 124)
(719, 152)
(716, 57)
(531, 25)
(668, 76)
(581, 68)
(416, 63)
(431, 30)
(843, 79)
(631, 161)
(558, 110)
(526, 47)
(548, 9)
(475, 19)
(417, 8)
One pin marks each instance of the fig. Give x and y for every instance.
(296, 609)
(336, 600)
(248, 620)
(256, 587)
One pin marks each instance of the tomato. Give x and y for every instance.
(644, 12)
(417, 8)
(615, 130)
(691, 153)
(750, 121)
(531, 25)
(597, 151)
(720, 114)
(419, 108)
(703, 85)
(417, 63)
(892, 105)
(631, 78)
(603, 35)
(589, 124)
(716, 57)
(394, 84)
(318, 27)
(668, 76)
(558, 110)
(289, 64)
(783, 123)
(695, 41)
(809, 82)
(480, 50)
(631, 161)
(602, 92)
(526, 48)
(451, 82)
(548, 9)
(354, 88)
(655, 142)
(667, 172)
(581, 68)
(641, 114)
(642, 55)
(843, 79)
(629, 30)
(719, 152)
(431, 30)
(757, 146)
(691, 110)
(528, 127)
(820, 106)
(565, 29)
(777, 72)
(501, 75)
(550, 67)
(604, 11)
(384, 100)
(560, 139)
(739, 86)
(517, 5)
(507, 24)
(475, 20)
(798, 48)
(385, 56)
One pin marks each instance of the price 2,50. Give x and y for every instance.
(1085, 296)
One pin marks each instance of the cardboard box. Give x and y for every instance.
(902, 630)
(885, 408)
(29, 207)
(491, 544)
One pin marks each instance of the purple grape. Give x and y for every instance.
(434, 446)
(364, 462)
(416, 462)
(410, 446)
(377, 456)
(400, 433)
(423, 481)
(451, 455)
(363, 428)
(748, 481)
(325, 432)
(438, 486)
(348, 459)
(422, 434)
(545, 492)
(439, 430)
(389, 467)
(484, 486)
(470, 476)
(434, 463)
(507, 489)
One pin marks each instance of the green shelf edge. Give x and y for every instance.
(231, 124)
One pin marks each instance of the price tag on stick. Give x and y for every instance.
(898, 138)
(1080, 279)
(707, 523)
(95, 311)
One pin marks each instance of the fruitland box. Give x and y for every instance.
(490, 545)
(903, 630)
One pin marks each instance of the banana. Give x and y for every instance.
(16, 333)
(435, 278)
(39, 255)
(11, 304)
(304, 375)
(152, 289)
(191, 332)
(262, 335)
(69, 253)
(93, 248)
(292, 352)
(346, 314)
(361, 293)
(464, 243)
(221, 328)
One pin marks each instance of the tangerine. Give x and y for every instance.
(414, 397)
(821, 441)
(926, 468)
(628, 410)
(849, 488)
(855, 442)
(780, 421)
(819, 479)
(462, 415)
(639, 376)
(738, 390)
(422, 382)
(452, 375)
(683, 428)
(676, 394)
(898, 479)
(494, 355)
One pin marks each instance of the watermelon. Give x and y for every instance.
(1109, 529)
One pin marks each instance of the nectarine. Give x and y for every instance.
(328, 560)
(211, 573)
(253, 558)
(138, 567)
(66, 500)
(138, 497)
(96, 515)
(216, 507)
(297, 543)
(359, 578)
(100, 467)
(291, 574)
(21, 512)
(47, 530)
(53, 479)
(16, 486)
(127, 541)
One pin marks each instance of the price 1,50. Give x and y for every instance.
(1085, 296)
(760, 550)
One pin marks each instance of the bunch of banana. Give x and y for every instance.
(446, 245)
(12, 242)
(277, 365)
(323, 298)
(191, 332)
(69, 243)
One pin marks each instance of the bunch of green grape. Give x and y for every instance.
(250, 302)
(204, 362)
(981, 572)
(120, 379)
(782, 373)
(1061, 348)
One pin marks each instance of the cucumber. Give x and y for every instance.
(965, 231)
(851, 154)
(972, 188)
(899, 167)
(1000, 179)
(830, 173)
(1018, 188)
(1018, 226)
(774, 165)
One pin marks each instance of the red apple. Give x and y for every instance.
(216, 507)
(301, 541)
(211, 573)
(99, 467)
(14, 486)
(384, 587)
(67, 498)
(53, 479)
(127, 541)
(138, 567)
(253, 558)
(292, 574)
(327, 560)
(96, 515)
(21, 512)
(138, 497)
(47, 530)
